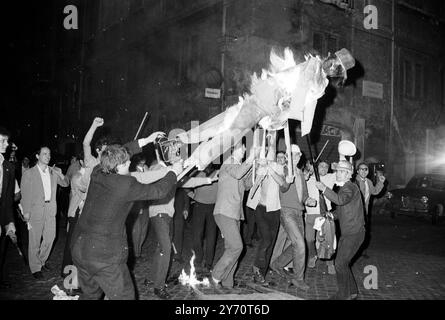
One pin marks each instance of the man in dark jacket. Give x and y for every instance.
(350, 214)
(7, 187)
(99, 245)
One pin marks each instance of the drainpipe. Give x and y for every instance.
(223, 51)
(391, 116)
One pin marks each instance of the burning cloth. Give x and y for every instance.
(286, 91)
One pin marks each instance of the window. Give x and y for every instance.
(318, 42)
(418, 81)
(443, 85)
(324, 43)
(414, 80)
(407, 79)
(332, 44)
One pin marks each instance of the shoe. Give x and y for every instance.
(215, 284)
(74, 292)
(311, 262)
(38, 275)
(279, 270)
(331, 269)
(300, 284)
(259, 278)
(289, 270)
(46, 267)
(162, 293)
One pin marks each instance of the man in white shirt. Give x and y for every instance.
(39, 187)
(266, 203)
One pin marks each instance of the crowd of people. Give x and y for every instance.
(117, 191)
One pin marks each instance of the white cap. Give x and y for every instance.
(295, 148)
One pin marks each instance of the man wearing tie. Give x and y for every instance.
(39, 186)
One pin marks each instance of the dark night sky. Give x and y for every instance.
(27, 45)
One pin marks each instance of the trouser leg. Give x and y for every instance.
(162, 228)
(225, 267)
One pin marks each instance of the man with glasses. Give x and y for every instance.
(349, 212)
(367, 189)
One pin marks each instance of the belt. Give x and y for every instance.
(48, 201)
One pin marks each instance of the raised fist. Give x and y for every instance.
(98, 122)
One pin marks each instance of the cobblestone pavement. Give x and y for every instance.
(408, 253)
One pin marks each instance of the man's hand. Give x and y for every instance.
(185, 213)
(311, 202)
(57, 171)
(290, 179)
(97, 122)
(215, 176)
(151, 138)
(10, 229)
(382, 179)
(177, 167)
(320, 186)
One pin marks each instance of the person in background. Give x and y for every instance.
(349, 212)
(367, 190)
(39, 187)
(75, 165)
(140, 220)
(79, 186)
(294, 197)
(266, 202)
(314, 212)
(182, 209)
(203, 223)
(7, 190)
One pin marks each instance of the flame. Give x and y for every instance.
(191, 280)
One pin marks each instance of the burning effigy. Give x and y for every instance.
(286, 90)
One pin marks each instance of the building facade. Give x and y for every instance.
(159, 56)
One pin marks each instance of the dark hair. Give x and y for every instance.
(103, 141)
(362, 164)
(112, 156)
(135, 160)
(4, 132)
(40, 150)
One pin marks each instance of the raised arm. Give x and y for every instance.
(375, 190)
(88, 156)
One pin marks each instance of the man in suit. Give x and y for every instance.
(349, 212)
(367, 189)
(99, 245)
(294, 196)
(7, 184)
(39, 188)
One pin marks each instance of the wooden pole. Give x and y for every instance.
(290, 171)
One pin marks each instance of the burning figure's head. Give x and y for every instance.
(336, 65)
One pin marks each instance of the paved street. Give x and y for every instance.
(408, 253)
